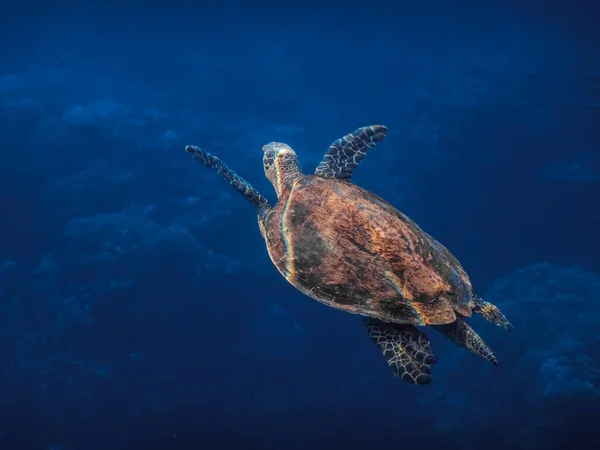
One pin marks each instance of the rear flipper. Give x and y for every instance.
(492, 313)
(461, 333)
(406, 349)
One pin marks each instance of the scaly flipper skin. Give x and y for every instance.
(492, 313)
(463, 335)
(406, 349)
(345, 154)
(242, 186)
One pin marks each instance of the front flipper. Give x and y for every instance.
(492, 313)
(461, 333)
(345, 153)
(242, 186)
(406, 349)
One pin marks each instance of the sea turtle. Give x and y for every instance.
(346, 247)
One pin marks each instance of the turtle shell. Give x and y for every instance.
(348, 248)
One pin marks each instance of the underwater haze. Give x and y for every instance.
(139, 308)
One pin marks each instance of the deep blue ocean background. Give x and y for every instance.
(138, 306)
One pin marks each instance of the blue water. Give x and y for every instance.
(138, 305)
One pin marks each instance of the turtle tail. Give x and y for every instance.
(491, 313)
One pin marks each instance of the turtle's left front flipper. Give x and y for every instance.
(406, 349)
(242, 186)
(461, 333)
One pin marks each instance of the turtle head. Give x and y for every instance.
(281, 166)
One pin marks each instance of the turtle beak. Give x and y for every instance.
(269, 147)
(276, 148)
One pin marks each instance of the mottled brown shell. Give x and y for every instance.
(349, 249)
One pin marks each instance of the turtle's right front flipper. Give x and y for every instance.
(242, 186)
(346, 153)
(406, 349)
